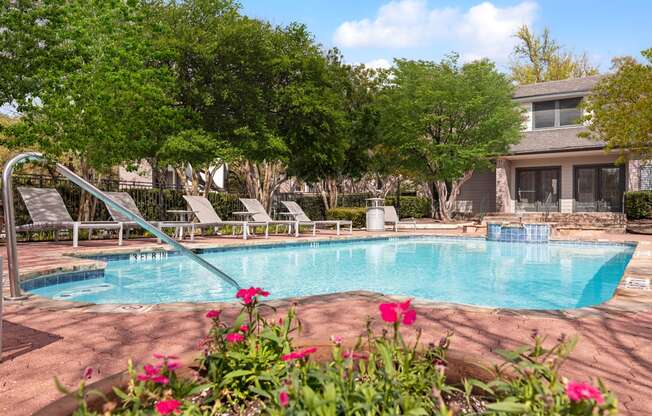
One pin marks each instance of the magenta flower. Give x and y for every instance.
(173, 365)
(248, 295)
(577, 391)
(284, 398)
(166, 407)
(297, 355)
(336, 339)
(88, 373)
(153, 374)
(398, 312)
(244, 328)
(234, 338)
(213, 314)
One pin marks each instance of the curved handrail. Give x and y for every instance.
(12, 255)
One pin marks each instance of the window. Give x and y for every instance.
(599, 188)
(556, 113)
(537, 189)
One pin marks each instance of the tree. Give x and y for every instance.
(89, 82)
(265, 90)
(540, 58)
(445, 120)
(619, 109)
(354, 91)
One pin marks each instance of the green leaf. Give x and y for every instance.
(509, 407)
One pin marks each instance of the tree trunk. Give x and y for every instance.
(85, 198)
(262, 180)
(448, 197)
(328, 190)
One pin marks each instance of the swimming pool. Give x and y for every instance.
(555, 275)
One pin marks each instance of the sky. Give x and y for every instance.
(374, 32)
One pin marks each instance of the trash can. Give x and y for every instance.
(375, 214)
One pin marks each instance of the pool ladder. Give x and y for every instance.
(10, 222)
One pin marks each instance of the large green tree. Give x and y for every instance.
(355, 88)
(619, 110)
(266, 90)
(444, 120)
(541, 58)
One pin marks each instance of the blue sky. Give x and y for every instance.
(375, 31)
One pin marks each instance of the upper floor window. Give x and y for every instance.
(557, 113)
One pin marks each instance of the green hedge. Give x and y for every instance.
(411, 206)
(638, 205)
(356, 214)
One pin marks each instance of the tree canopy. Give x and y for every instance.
(619, 110)
(446, 120)
(541, 58)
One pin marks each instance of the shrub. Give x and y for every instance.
(411, 206)
(357, 215)
(251, 366)
(638, 205)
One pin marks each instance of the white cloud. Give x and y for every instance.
(378, 63)
(484, 30)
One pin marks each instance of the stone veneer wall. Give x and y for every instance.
(504, 202)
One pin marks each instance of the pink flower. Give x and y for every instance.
(336, 339)
(284, 398)
(244, 328)
(88, 373)
(297, 355)
(248, 295)
(213, 314)
(166, 407)
(153, 374)
(234, 338)
(165, 356)
(397, 312)
(577, 391)
(173, 365)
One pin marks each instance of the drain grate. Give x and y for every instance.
(638, 284)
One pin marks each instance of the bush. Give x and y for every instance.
(357, 215)
(411, 206)
(251, 366)
(638, 205)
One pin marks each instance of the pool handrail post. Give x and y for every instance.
(12, 257)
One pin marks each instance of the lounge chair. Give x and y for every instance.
(128, 202)
(297, 213)
(257, 213)
(207, 217)
(391, 217)
(48, 212)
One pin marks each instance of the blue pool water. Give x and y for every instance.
(458, 270)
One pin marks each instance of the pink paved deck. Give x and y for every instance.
(40, 343)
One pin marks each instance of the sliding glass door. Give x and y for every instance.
(538, 189)
(599, 188)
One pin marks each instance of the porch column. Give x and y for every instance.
(503, 195)
(633, 175)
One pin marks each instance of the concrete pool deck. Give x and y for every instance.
(43, 338)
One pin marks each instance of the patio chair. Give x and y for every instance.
(207, 217)
(257, 212)
(48, 212)
(128, 202)
(300, 216)
(391, 217)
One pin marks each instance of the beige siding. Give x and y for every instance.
(566, 162)
(478, 194)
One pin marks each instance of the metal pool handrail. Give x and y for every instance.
(10, 226)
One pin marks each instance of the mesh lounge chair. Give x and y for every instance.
(391, 217)
(207, 216)
(48, 212)
(128, 202)
(299, 215)
(258, 214)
